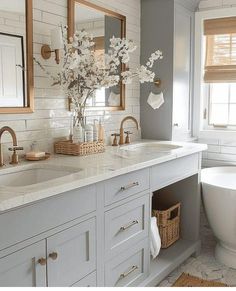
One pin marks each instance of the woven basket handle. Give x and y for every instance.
(174, 211)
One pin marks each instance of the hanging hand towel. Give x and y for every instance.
(155, 100)
(155, 244)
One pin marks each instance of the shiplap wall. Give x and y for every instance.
(51, 119)
(220, 151)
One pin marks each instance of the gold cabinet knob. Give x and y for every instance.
(53, 256)
(42, 261)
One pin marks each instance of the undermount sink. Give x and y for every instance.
(150, 147)
(35, 174)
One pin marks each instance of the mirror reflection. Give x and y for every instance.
(103, 26)
(13, 54)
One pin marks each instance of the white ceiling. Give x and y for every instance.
(17, 6)
(193, 4)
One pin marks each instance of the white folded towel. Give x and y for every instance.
(156, 100)
(155, 243)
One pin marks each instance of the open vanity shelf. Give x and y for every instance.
(169, 259)
(189, 243)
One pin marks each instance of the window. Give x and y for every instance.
(220, 72)
(220, 61)
(222, 104)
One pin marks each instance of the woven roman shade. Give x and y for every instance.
(220, 65)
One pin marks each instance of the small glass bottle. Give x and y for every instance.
(95, 131)
(78, 136)
(88, 132)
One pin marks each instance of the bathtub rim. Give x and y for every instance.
(203, 171)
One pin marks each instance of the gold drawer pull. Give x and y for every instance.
(129, 225)
(53, 256)
(129, 186)
(123, 275)
(42, 261)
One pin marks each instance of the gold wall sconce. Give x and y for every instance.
(56, 45)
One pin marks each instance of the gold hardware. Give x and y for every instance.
(42, 261)
(53, 256)
(123, 275)
(46, 53)
(127, 139)
(123, 228)
(115, 141)
(157, 82)
(14, 141)
(14, 157)
(129, 186)
(122, 127)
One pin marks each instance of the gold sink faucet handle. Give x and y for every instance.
(115, 141)
(127, 139)
(14, 157)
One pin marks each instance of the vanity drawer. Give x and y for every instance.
(170, 172)
(126, 225)
(124, 186)
(88, 281)
(129, 268)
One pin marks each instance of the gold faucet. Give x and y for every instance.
(14, 159)
(122, 127)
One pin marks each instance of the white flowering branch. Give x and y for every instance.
(83, 71)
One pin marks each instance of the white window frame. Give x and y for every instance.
(198, 106)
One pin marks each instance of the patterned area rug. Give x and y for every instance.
(186, 280)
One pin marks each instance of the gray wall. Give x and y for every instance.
(157, 32)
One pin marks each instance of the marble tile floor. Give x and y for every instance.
(204, 266)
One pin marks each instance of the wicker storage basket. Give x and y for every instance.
(67, 147)
(168, 222)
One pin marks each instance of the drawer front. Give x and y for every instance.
(88, 281)
(173, 171)
(129, 268)
(75, 254)
(28, 221)
(125, 225)
(124, 186)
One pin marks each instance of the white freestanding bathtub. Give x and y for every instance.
(219, 199)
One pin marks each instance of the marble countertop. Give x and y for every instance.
(87, 170)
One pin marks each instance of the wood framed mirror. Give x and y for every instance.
(103, 25)
(16, 62)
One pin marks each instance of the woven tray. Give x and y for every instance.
(66, 147)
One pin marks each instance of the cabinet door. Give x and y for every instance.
(22, 269)
(71, 254)
(182, 91)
